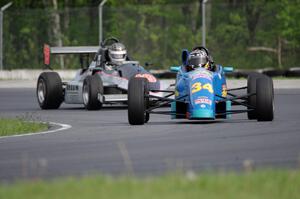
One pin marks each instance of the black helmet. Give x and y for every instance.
(117, 53)
(198, 58)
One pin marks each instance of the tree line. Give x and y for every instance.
(241, 33)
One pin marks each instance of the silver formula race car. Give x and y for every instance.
(100, 82)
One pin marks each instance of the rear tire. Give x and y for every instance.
(49, 90)
(264, 99)
(137, 101)
(92, 86)
(251, 88)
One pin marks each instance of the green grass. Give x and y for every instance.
(18, 126)
(273, 184)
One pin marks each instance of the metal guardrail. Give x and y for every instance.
(242, 73)
(161, 74)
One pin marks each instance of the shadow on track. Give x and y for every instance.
(106, 108)
(201, 122)
(184, 122)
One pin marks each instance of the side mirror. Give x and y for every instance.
(228, 69)
(175, 68)
(184, 56)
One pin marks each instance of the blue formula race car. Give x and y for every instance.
(201, 93)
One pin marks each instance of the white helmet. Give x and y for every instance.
(117, 53)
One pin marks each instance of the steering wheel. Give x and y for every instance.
(109, 41)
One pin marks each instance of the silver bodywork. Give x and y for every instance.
(73, 89)
(109, 74)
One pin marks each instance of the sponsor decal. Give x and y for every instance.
(224, 90)
(149, 77)
(203, 100)
(72, 87)
(201, 74)
(196, 87)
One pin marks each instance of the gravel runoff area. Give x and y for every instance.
(232, 83)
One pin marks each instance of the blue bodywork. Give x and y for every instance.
(198, 92)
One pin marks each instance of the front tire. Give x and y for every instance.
(264, 99)
(137, 101)
(251, 88)
(49, 90)
(92, 86)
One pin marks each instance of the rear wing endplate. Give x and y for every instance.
(67, 50)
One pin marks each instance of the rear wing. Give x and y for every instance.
(67, 50)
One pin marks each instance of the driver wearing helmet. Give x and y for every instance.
(198, 58)
(117, 54)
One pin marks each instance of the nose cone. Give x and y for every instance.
(202, 98)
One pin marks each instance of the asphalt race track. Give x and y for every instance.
(102, 141)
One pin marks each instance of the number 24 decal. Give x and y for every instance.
(198, 87)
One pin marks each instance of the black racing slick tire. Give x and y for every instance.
(92, 86)
(49, 90)
(137, 101)
(251, 89)
(264, 99)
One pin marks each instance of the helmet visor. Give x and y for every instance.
(117, 55)
(197, 61)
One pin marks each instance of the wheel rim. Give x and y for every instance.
(85, 94)
(41, 92)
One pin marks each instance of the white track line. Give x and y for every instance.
(62, 128)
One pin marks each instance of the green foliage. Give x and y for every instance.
(275, 184)
(289, 16)
(156, 31)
